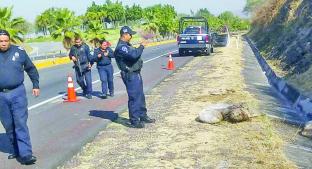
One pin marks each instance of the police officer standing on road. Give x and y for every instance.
(80, 55)
(130, 63)
(102, 57)
(13, 102)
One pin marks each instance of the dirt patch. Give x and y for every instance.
(176, 140)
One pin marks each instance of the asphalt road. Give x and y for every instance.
(53, 81)
(58, 130)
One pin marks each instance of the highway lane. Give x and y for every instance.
(53, 81)
(59, 130)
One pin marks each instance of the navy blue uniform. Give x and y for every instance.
(83, 76)
(13, 101)
(105, 69)
(130, 63)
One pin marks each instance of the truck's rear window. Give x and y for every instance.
(194, 30)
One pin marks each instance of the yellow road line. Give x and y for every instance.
(41, 64)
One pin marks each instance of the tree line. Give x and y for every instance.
(157, 20)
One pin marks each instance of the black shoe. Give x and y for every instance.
(111, 94)
(89, 96)
(28, 160)
(147, 119)
(137, 125)
(12, 156)
(103, 96)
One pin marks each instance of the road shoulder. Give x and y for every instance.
(177, 140)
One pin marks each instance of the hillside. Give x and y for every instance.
(282, 30)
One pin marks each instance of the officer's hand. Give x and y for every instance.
(36, 92)
(143, 42)
(99, 55)
(74, 58)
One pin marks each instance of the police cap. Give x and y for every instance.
(127, 29)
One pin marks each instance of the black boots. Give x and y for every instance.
(147, 119)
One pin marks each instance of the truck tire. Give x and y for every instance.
(181, 52)
(208, 51)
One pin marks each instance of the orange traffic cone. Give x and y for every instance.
(71, 94)
(170, 65)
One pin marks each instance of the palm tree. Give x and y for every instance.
(115, 11)
(42, 23)
(11, 25)
(95, 32)
(66, 26)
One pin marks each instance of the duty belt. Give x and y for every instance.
(5, 90)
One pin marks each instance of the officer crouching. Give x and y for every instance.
(13, 102)
(130, 63)
(103, 58)
(80, 55)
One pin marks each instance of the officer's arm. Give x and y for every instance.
(71, 53)
(95, 57)
(132, 53)
(89, 55)
(31, 71)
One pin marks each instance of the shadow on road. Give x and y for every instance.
(5, 145)
(110, 115)
(97, 94)
(174, 55)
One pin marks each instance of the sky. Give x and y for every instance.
(29, 9)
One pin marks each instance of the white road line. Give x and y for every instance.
(307, 149)
(94, 82)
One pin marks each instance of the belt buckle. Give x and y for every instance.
(5, 90)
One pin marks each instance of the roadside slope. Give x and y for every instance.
(282, 31)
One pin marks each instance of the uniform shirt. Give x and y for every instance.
(82, 53)
(127, 57)
(104, 60)
(13, 62)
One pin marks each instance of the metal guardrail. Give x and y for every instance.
(299, 101)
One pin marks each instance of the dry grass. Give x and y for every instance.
(177, 140)
(265, 14)
(303, 82)
(275, 66)
(293, 7)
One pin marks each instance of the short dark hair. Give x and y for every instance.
(102, 41)
(77, 37)
(4, 32)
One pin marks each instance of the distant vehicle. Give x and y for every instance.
(194, 36)
(221, 39)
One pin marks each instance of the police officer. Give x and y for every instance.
(102, 56)
(130, 63)
(13, 102)
(80, 55)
